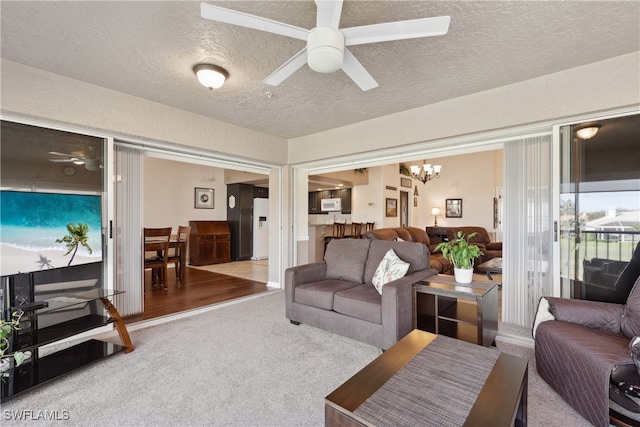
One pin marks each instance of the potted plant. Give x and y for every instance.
(6, 329)
(461, 254)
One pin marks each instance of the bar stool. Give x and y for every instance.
(339, 229)
(356, 230)
(338, 233)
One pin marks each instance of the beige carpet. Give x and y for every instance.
(242, 364)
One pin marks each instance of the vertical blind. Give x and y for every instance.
(528, 226)
(128, 230)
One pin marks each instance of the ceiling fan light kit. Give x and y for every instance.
(210, 76)
(325, 51)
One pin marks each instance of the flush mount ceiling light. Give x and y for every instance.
(210, 75)
(587, 132)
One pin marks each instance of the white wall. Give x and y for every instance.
(169, 188)
(593, 88)
(31, 92)
(470, 177)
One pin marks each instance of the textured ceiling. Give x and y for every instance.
(148, 49)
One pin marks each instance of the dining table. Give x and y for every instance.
(180, 246)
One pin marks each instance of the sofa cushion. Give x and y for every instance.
(631, 320)
(390, 268)
(320, 294)
(362, 302)
(416, 254)
(346, 259)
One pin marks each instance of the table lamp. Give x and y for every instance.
(435, 212)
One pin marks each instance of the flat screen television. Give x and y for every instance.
(31, 222)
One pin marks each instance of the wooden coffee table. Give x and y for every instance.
(493, 266)
(500, 401)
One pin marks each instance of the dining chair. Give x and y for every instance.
(339, 229)
(356, 230)
(371, 226)
(179, 255)
(156, 254)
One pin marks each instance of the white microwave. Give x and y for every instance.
(330, 205)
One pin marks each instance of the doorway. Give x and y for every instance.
(404, 209)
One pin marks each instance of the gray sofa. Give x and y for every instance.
(337, 295)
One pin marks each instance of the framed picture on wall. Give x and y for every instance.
(203, 198)
(454, 208)
(391, 207)
(405, 182)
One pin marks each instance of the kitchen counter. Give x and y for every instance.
(317, 234)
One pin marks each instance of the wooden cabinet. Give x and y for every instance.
(345, 196)
(261, 192)
(209, 242)
(314, 202)
(240, 218)
(316, 196)
(437, 234)
(465, 311)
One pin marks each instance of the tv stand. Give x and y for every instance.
(37, 369)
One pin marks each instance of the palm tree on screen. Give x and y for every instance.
(77, 237)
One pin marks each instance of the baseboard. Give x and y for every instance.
(516, 340)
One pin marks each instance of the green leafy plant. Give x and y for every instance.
(6, 328)
(403, 169)
(77, 237)
(360, 171)
(459, 251)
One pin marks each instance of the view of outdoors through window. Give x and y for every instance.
(600, 208)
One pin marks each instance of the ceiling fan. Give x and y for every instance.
(326, 50)
(89, 164)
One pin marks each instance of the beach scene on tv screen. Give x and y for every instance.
(34, 233)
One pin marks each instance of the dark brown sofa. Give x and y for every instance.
(578, 343)
(413, 234)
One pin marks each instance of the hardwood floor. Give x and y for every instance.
(201, 288)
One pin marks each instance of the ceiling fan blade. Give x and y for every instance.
(241, 19)
(61, 160)
(399, 30)
(288, 68)
(61, 154)
(328, 14)
(354, 69)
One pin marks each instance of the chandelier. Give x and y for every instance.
(425, 173)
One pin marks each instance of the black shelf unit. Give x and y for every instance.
(40, 370)
(52, 313)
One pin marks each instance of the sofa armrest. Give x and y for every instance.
(397, 306)
(494, 246)
(298, 275)
(598, 315)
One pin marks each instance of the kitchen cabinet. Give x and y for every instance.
(314, 202)
(240, 218)
(261, 192)
(316, 196)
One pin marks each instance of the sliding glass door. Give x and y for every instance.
(599, 207)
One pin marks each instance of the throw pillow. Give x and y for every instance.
(390, 268)
(346, 259)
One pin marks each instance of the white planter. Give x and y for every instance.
(463, 275)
